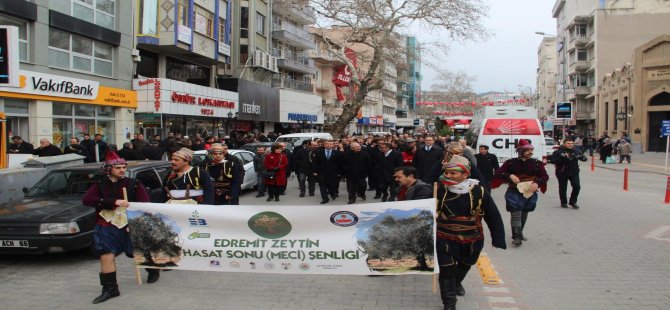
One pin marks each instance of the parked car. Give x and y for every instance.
(246, 157)
(52, 219)
(296, 139)
(550, 147)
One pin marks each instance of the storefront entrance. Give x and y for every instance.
(656, 143)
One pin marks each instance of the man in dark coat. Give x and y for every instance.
(410, 187)
(389, 159)
(74, 148)
(326, 169)
(99, 148)
(302, 163)
(227, 172)
(152, 151)
(426, 156)
(356, 163)
(128, 152)
(566, 159)
(47, 149)
(375, 153)
(19, 146)
(487, 164)
(88, 145)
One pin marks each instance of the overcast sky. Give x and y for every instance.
(509, 57)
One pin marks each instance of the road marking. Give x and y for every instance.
(662, 233)
(486, 271)
(491, 289)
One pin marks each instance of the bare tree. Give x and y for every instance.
(456, 86)
(375, 30)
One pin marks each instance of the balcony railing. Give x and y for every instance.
(304, 14)
(293, 84)
(294, 34)
(294, 61)
(579, 66)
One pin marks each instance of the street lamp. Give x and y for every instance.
(545, 34)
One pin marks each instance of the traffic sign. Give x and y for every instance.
(665, 128)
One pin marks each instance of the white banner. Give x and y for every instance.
(378, 238)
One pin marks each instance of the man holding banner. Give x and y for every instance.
(186, 184)
(462, 203)
(227, 172)
(111, 235)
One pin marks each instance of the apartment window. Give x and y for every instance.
(148, 14)
(244, 54)
(73, 52)
(616, 110)
(222, 30)
(260, 23)
(183, 12)
(580, 31)
(99, 12)
(581, 54)
(204, 22)
(580, 80)
(244, 22)
(607, 116)
(23, 35)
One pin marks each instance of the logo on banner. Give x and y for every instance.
(195, 220)
(196, 235)
(303, 266)
(235, 264)
(344, 218)
(269, 265)
(286, 266)
(214, 263)
(270, 225)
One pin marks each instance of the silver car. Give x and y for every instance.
(247, 158)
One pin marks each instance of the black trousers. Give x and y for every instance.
(356, 188)
(329, 188)
(275, 190)
(388, 189)
(221, 199)
(311, 183)
(453, 269)
(563, 188)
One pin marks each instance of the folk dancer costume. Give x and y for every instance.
(518, 198)
(227, 176)
(192, 187)
(460, 235)
(111, 234)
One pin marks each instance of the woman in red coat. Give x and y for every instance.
(408, 155)
(276, 161)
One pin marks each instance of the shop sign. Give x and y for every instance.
(179, 98)
(224, 48)
(36, 83)
(252, 108)
(209, 102)
(184, 34)
(156, 93)
(660, 74)
(9, 56)
(298, 117)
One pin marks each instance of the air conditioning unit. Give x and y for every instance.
(259, 59)
(273, 64)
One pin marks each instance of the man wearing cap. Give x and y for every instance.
(110, 240)
(524, 175)
(19, 146)
(462, 204)
(185, 182)
(227, 173)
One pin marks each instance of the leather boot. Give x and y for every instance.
(461, 272)
(448, 293)
(153, 276)
(516, 236)
(109, 287)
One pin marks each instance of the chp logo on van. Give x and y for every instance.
(521, 127)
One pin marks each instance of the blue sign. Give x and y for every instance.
(665, 128)
(416, 122)
(564, 110)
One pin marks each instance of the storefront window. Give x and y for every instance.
(105, 112)
(62, 132)
(75, 120)
(84, 110)
(62, 109)
(17, 117)
(187, 72)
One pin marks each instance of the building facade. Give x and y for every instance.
(76, 70)
(545, 99)
(595, 37)
(635, 98)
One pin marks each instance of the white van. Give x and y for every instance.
(296, 138)
(501, 128)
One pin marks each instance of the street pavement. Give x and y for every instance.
(613, 253)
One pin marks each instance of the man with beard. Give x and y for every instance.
(356, 163)
(109, 239)
(566, 159)
(326, 169)
(186, 184)
(462, 204)
(524, 175)
(410, 187)
(227, 172)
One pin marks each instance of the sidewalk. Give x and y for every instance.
(650, 162)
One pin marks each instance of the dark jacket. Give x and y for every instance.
(74, 149)
(50, 150)
(23, 148)
(356, 165)
(102, 150)
(301, 161)
(487, 165)
(258, 163)
(219, 173)
(88, 146)
(152, 152)
(567, 161)
(526, 170)
(424, 161)
(419, 190)
(327, 170)
(386, 165)
(129, 154)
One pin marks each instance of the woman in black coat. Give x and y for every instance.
(605, 150)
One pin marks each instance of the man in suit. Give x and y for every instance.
(487, 164)
(302, 161)
(356, 163)
(99, 148)
(426, 156)
(89, 146)
(326, 169)
(388, 160)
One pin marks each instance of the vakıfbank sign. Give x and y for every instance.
(377, 238)
(42, 86)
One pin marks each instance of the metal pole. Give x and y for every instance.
(667, 149)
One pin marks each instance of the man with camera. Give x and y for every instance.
(566, 159)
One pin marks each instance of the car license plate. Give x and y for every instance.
(13, 243)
